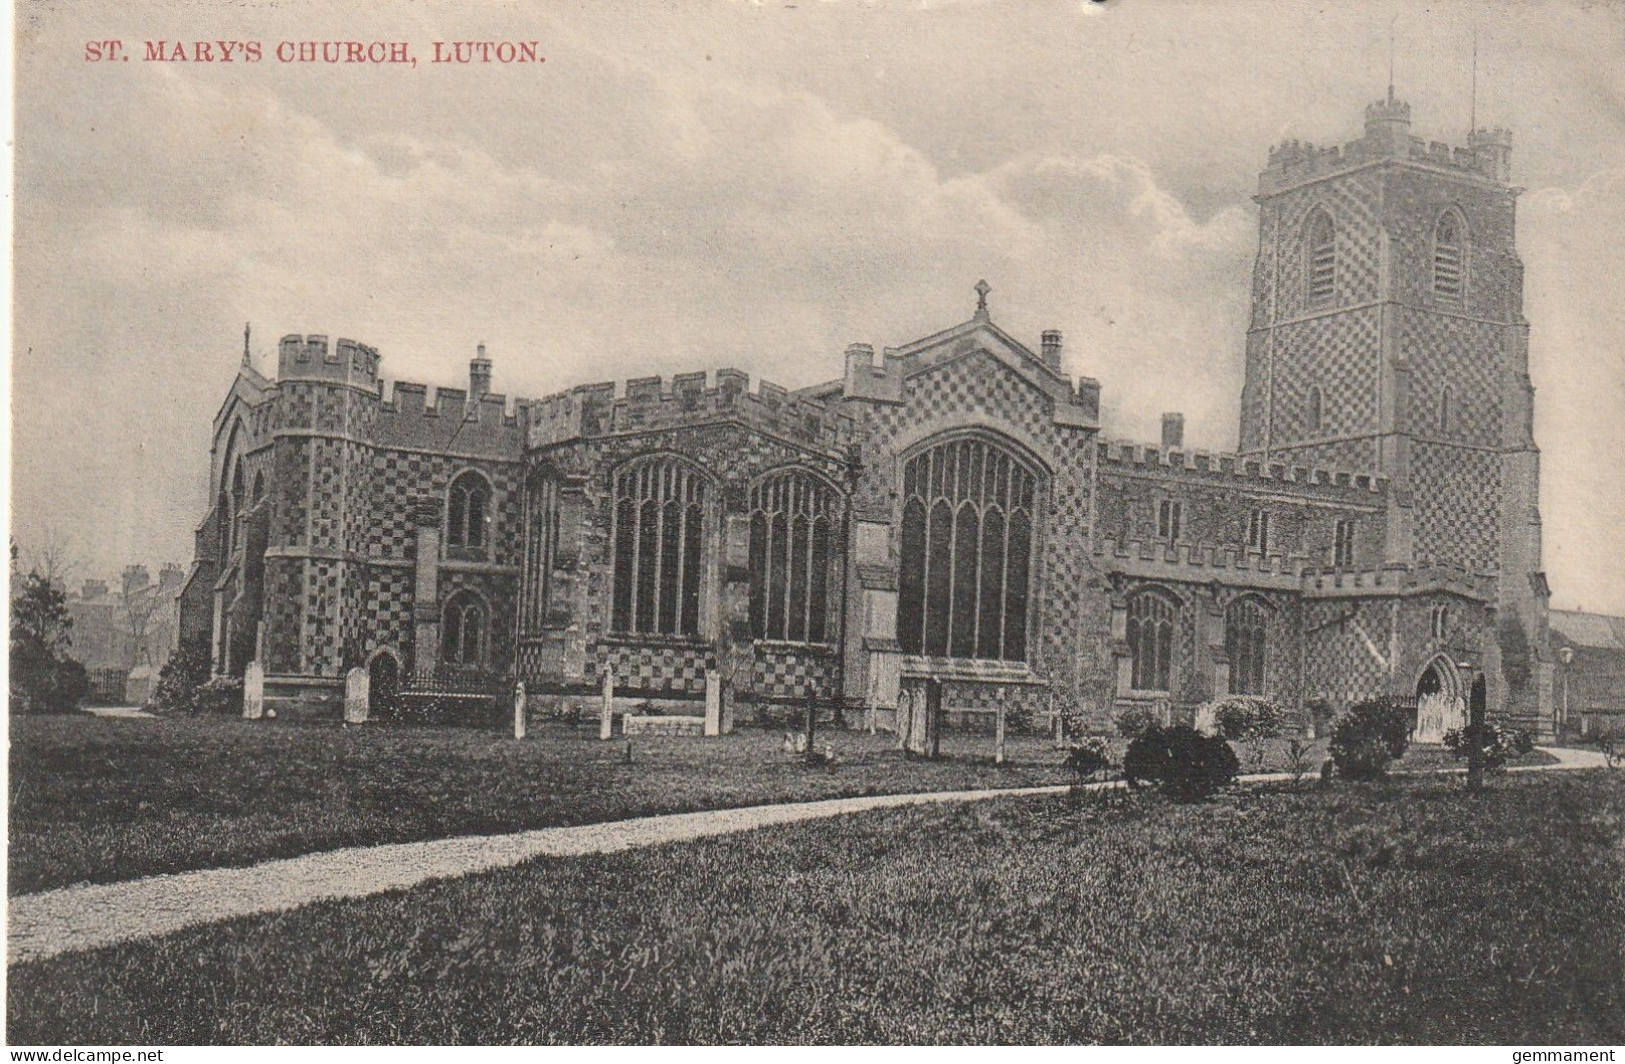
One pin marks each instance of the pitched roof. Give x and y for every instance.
(1593, 630)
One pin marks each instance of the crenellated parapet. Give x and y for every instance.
(313, 358)
(1487, 153)
(1077, 405)
(1127, 456)
(1201, 563)
(646, 404)
(1398, 580)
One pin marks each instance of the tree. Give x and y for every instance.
(43, 678)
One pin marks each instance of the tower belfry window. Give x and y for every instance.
(1321, 259)
(1447, 259)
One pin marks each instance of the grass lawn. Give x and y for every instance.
(1407, 911)
(102, 800)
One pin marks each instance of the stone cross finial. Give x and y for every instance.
(248, 360)
(982, 289)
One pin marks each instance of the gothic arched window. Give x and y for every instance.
(1448, 258)
(468, 511)
(967, 547)
(1316, 409)
(1151, 618)
(659, 547)
(462, 630)
(1245, 626)
(790, 519)
(541, 536)
(1320, 259)
(234, 517)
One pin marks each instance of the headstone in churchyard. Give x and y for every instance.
(998, 744)
(253, 691)
(356, 692)
(606, 719)
(519, 710)
(713, 703)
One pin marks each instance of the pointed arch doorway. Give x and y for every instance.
(1440, 706)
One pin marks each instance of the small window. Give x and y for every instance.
(1444, 411)
(468, 512)
(462, 630)
(1316, 411)
(1258, 531)
(1343, 543)
(1447, 259)
(1440, 622)
(1169, 513)
(1321, 259)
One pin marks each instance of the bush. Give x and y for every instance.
(1181, 762)
(181, 678)
(1243, 717)
(1134, 722)
(1086, 758)
(1496, 745)
(1370, 735)
(221, 694)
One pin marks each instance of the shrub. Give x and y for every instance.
(1243, 717)
(1370, 735)
(1496, 745)
(1086, 758)
(180, 679)
(1297, 758)
(1320, 715)
(220, 694)
(1181, 762)
(1134, 722)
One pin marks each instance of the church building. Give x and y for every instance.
(946, 515)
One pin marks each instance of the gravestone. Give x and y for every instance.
(713, 703)
(253, 691)
(606, 719)
(356, 691)
(998, 744)
(519, 710)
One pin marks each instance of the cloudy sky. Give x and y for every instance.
(695, 185)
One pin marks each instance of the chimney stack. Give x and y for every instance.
(1051, 349)
(170, 577)
(479, 375)
(136, 579)
(1173, 431)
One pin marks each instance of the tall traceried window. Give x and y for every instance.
(541, 534)
(967, 548)
(1246, 625)
(659, 549)
(468, 512)
(1448, 273)
(1320, 259)
(463, 625)
(1152, 616)
(791, 515)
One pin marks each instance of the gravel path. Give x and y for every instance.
(86, 917)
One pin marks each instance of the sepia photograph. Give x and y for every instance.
(817, 522)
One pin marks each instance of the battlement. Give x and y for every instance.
(1487, 154)
(1398, 579)
(1210, 557)
(310, 358)
(1274, 475)
(412, 399)
(649, 403)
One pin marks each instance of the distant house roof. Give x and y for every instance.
(1595, 631)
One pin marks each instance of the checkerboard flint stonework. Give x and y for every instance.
(1386, 472)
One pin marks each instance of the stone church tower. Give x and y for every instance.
(1387, 334)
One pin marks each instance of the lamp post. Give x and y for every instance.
(1566, 656)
